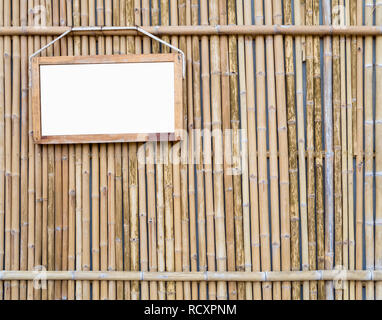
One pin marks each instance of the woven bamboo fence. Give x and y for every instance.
(276, 192)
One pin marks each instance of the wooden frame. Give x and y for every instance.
(98, 138)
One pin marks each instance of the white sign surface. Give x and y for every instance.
(109, 98)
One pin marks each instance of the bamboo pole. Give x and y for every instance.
(221, 255)
(301, 152)
(118, 48)
(337, 145)
(175, 158)
(243, 141)
(24, 152)
(203, 30)
(207, 160)
(201, 218)
(191, 155)
(283, 147)
(168, 184)
(94, 193)
(272, 276)
(15, 152)
(345, 145)
(273, 163)
(78, 173)
(369, 148)
(131, 215)
(125, 175)
(2, 153)
(85, 173)
(232, 181)
(110, 155)
(252, 150)
(349, 99)
(262, 131)
(103, 179)
(157, 156)
(150, 172)
(329, 240)
(65, 172)
(50, 183)
(184, 147)
(292, 143)
(359, 158)
(353, 21)
(57, 187)
(234, 227)
(310, 149)
(159, 183)
(318, 147)
(378, 150)
(8, 145)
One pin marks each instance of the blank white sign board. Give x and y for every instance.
(107, 101)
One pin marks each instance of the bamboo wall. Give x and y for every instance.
(293, 187)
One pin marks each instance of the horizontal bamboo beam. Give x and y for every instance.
(358, 275)
(251, 30)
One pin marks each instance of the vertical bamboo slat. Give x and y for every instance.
(359, 154)
(252, 150)
(232, 148)
(310, 148)
(328, 118)
(233, 223)
(221, 255)
(262, 153)
(292, 143)
(201, 217)
(369, 150)
(378, 150)
(242, 140)
(283, 149)
(301, 151)
(337, 145)
(273, 163)
(207, 158)
(319, 179)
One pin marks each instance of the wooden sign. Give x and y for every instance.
(123, 98)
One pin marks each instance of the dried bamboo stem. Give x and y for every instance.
(328, 117)
(184, 147)
(191, 155)
(273, 163)
(310, 149)
(301, 152)
(378, 150)
(8, 145)
(337, 144)
(252, 150)
(207, 160)
(243, 141)
(292, 143)
(349, 99)
(283, 147)
(344, 140)
(221, 255)
(359, 158)
(231, 117)
(262, 131)
(201, 218)
(2, 153)
(24, 152)
(369, 149)
(234, 227)
(15, 152)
